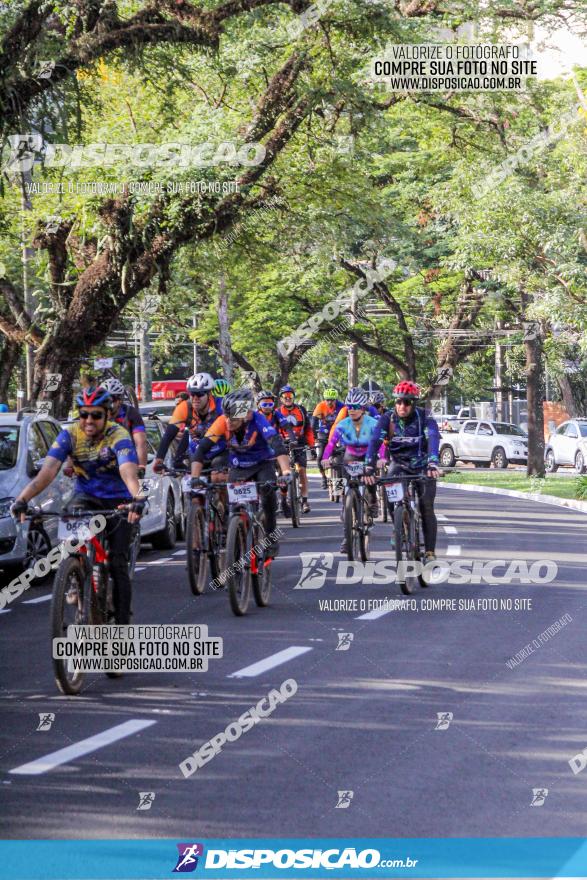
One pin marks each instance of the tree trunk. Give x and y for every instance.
(146, 362)
(534, 400)
(10, 356)
(224, 346)
(567, 395)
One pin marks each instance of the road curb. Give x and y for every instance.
(569, 503)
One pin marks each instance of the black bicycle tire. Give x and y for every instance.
(196, 569)
(236, 548)
(67, 686)
(294, 500)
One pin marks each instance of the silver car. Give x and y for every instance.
(164, 521)
(567, 447)
(24, 441)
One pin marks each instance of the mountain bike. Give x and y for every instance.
(402, 498)
(357, 520)
(335, 478)
(246, 565)
(205, 531)
(294, 493)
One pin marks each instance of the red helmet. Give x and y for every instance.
(407, 390)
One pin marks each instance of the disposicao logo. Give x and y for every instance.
(187, 860)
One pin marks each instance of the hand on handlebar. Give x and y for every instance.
(433, 471)
(284, 479)
(19, 510)
(158, 465)
(369, 475)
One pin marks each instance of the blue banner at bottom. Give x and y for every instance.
(366, 858)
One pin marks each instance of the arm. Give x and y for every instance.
(379, 433)
(433, 437)
(140, 440)
(171, 432)
(43, 479)
(332, 441)
(342, 414)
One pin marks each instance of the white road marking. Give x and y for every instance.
(179, 553)
(270, 662)
(453, 550)
(83, 747)
(38, 599)
(373, 615)
(449, 530)
(142, 568)
(442, 517)
(159, 561)
(5, 610)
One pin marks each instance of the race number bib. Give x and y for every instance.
(354, 468)
(79, 529)
(242, 492)
(395, 492)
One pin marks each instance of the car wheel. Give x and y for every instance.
(550, 464)
(499, 458)
(38, 545)
(165, 539)
(447, 457)
(580, 463)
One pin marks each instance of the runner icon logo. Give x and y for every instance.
(344, 799)
(538, 796)
(46, 719)
(315, 567)
(146, 799)
(444, 719)
(344, 641)
(187, 860)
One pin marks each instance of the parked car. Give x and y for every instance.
(24, 441)
(567, 446)
(448, 422)
(161, 408)
(484, 443)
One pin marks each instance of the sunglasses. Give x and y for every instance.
(353, 407)
(267, 404)
(199, 393)
(95, 417)
(400, 400)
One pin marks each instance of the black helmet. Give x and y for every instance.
(238, 403)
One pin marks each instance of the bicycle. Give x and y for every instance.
(82, 587)
(246, 565)
(335, 479)
(407, 525)
(383, 505)
(357, 526)
(205, 531)
(294, 493)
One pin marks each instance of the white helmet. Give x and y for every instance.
(357, 397)
(114, 386)
(200, 382)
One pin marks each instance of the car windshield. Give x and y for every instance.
(8, 447)
(504, 428)
(583, 429)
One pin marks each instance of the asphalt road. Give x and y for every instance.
(364, 720)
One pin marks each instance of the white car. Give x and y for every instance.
(164, 521)
(484, 443)
(567, 447)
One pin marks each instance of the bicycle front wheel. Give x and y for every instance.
(197, 558)
(238, 569)
(351, 527)
(70, 606)
(404, 552)
(293, 491)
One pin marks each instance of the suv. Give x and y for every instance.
(484, 443)
(24, 441)
(567, 447)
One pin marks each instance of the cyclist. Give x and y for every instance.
(354, 434)
(193, 416)
(343, 411)
(377, 401)
(413, 440)
(323, 419)
(105, 463)
(130, 418)
(266, 401)
(253, 445)
(297, 416)
(222, 387)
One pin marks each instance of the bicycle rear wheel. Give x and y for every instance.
(238, 569)
(216, 539)
(404, 556)
(71, 582)
(261, 581)
(294, 499)
(197, 558)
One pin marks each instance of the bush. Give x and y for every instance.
(581, 488)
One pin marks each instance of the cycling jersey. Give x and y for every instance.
(297, 416)
(185, 412)
(280, 423)
(343, 414)
(346, 434)
(255, 441)
(412, 442)
(96, 462)
(325, 414)
(130, 418)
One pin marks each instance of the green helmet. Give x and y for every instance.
(221, 388)
(330, 394)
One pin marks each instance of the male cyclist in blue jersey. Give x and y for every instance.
(413, 439)
(354, 435)
(105, 464)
